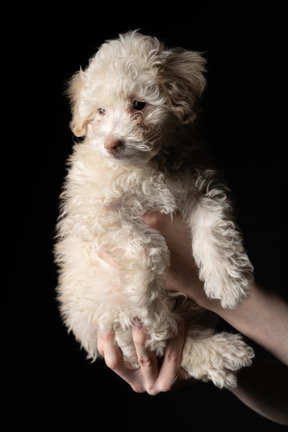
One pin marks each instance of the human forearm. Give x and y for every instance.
(263, 318)
(263, 388)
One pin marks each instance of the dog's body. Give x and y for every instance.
(134, 105)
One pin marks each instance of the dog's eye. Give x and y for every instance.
(101, 111)
(137, 105)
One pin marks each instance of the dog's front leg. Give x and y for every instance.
(217, 243)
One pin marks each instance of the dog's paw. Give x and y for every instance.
(230, 290)
(216, 358)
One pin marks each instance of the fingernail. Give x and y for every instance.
(137, 324)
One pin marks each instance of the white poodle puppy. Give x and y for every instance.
(134, 106)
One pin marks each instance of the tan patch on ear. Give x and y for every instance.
(79, 126)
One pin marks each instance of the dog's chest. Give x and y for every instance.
(135, 193)
(103, 192)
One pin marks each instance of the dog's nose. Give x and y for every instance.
(111, 144)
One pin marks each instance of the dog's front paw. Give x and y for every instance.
(228, 289)
(218, 249)
(227, 279)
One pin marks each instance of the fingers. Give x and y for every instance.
(141, 379)
(171, 374)
(147, 360)
(113, 357)
(149, 377)
(108, 348)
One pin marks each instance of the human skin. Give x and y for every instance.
(262, 317)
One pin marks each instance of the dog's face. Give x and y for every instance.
(133, 94)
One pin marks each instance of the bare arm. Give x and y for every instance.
(263, 317)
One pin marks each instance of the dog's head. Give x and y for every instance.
(133, 93)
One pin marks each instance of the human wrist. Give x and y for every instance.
(212, 305)
(194, 289)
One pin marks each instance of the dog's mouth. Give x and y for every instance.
(117, 153)
(132, 155)
(118, 156)
(122, 155)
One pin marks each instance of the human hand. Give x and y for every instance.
(152, 376)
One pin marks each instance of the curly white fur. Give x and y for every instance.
(134, 105)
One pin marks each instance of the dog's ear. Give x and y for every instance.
(79, 123)
(183, 76)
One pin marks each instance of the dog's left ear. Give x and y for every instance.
(183, 78)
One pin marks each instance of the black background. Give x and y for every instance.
(47, 380)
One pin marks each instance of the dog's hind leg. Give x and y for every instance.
(215, 356)
(141, 265)
(89, 292)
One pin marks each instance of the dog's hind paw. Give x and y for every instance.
(216, 358)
